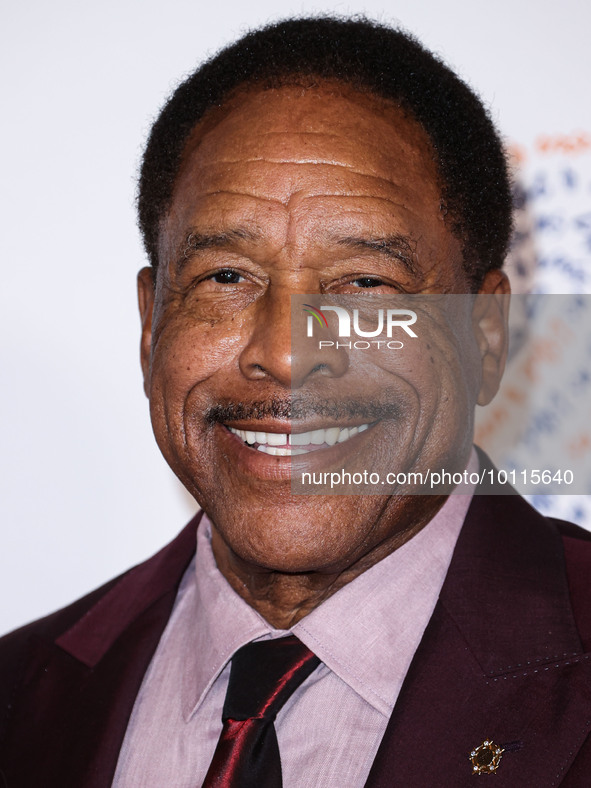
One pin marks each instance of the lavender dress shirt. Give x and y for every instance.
(329, 731)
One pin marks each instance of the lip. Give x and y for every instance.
(265, 466)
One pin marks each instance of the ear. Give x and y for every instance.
(145, 293)
(490, 320)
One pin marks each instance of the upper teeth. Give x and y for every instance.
(270, 442)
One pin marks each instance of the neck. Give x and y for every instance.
(283, 598)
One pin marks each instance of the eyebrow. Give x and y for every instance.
(398, 247)
(194, 241)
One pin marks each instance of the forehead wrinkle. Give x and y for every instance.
(228, 219)
(273, 160)
(300, 196)
(372, 186)
(236, 193)
(342, 228)
(315, 162)
(268, 145)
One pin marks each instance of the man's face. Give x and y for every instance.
(317, 191)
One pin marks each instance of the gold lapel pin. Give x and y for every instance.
(486, 757)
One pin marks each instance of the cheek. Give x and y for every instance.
(439, 371)
(448, 400)
(188, 353)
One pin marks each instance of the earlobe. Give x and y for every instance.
(491, 315)
(145, 291)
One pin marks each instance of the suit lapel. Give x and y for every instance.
(78, 691)
(500, 659)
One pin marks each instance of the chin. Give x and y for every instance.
(303, 534)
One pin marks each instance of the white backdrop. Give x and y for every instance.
(84, 491)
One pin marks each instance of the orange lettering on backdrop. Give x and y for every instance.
(517, 153)
(580, 445)
(496, 417)
(514, 394)
(543, 350)
(570, 144)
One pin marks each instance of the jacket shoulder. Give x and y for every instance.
(79, 636)
(14, 647)
(168, 563)
(577, 554)
(571, 530)
(52, 625)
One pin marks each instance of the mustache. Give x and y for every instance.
(299, 408)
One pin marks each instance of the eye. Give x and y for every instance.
(356, 282)
(227, 276)
(368, 281)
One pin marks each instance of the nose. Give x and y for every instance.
(279, 349)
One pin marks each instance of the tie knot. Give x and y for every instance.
(264, 674)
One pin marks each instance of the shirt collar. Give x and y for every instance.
(221, 622)
(366, 633)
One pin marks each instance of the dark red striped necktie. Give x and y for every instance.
(262, 677)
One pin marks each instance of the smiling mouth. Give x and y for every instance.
(291, 444)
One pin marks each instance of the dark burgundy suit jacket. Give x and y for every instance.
(505, 656)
